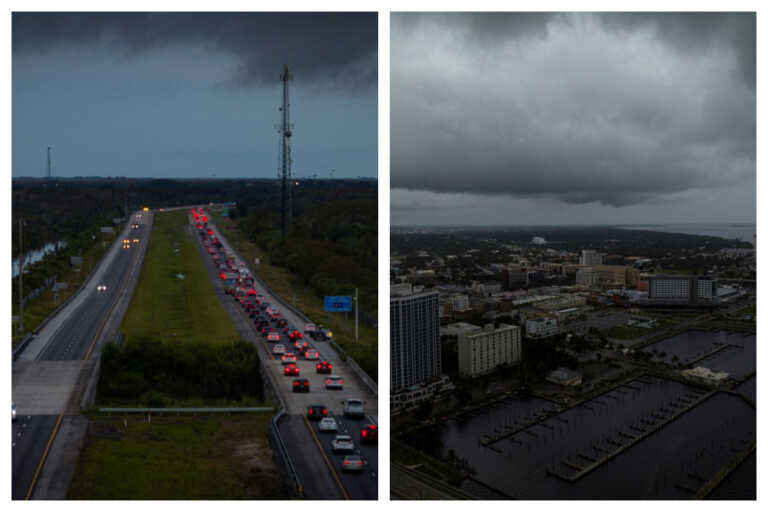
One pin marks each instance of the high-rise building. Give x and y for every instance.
(591, 258)
(481, 351)
(415, 338)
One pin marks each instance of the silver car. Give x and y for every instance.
(334, 382)
(354, 408)
(327, 425)
(343, 443)
(352, 463)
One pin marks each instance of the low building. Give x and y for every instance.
(564, 377)
(419, 394)
(541, 327)
(482, 351)
(459, 329)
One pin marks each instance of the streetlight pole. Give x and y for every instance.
(356, 310)
(21, 272)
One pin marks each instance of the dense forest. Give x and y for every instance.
(332, 242)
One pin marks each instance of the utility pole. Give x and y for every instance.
(21, 272)
(285, 155)
(357, 307)
(49, 162)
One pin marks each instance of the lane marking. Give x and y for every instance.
(45, 455)
(327, 461)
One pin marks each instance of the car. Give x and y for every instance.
(310, 328)
(324, 367)
(369, 433)
(135, 240)
(101, 288)
(289, 358)
(342, 443)
(334, 382)
(13, 411)
(311, 355)
(352, 463)
(278, 349)
(301, 385)
(327, 425)
(354, 408)
(292, 370)
(316, 412)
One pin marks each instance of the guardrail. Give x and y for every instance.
(187, 410)
(282, 458)
(367, 380)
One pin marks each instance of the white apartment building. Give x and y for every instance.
(541, 327)
(682, 288)
(591, 257)
(588, 277)
(484, 350)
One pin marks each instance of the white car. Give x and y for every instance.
(334, 382)
(101, 288)
(278, 349)
(289, 358)
(343, 443)
(311, 355)
(327, 425)
(310, 328)
(273, 336)
(13, 412)
(354, 407)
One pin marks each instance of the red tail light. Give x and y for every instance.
(325, 411)
(372, 427)
(311, 411)
(295, 383)
(346, 463)
(365, 433)
(359, 463)
(328, 381)
(223, 276)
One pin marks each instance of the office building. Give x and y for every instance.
(591, 258)
(541, 327)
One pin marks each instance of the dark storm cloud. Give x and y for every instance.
(331, 48)
(611, 108)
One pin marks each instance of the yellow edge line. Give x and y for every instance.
(333, 471)
(45, 456)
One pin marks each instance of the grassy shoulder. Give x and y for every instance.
(174, 298)
(177, 457)
(39, 308)
(288, 286)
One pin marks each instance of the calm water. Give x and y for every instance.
(35, 256)
(737, 354)
(743, 232)
(667, 464)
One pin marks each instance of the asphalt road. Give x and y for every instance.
(310, 451)
(74, 340)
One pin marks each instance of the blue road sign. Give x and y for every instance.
(338, 303)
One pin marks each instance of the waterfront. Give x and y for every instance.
(743, 232)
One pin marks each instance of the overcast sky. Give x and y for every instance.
(538, 118)
(189, 95)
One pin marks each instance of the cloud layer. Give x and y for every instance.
(614, 109)
(332, 49)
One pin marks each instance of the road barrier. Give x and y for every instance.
(183, 410)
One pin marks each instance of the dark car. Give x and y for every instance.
(292, 371)
(369, 434)
(324, 367)
(317, 412)
(301, 385)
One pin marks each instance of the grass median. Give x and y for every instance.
(177, 457)
(288, 286)
(174, 297)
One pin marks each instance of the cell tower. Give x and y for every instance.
(284, 171)
(49, 162)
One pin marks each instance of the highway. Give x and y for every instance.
(46, 374)
(319, 469)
